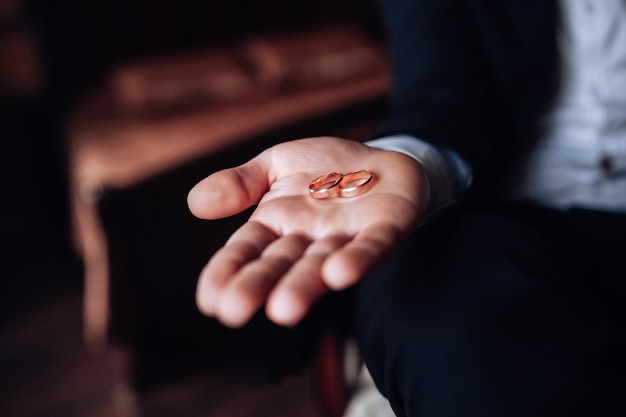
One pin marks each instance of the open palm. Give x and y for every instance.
(294, 248)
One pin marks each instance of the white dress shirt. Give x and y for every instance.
(581, 160)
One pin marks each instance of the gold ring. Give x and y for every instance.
(356, 183)
(325, 186)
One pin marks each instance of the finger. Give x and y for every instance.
(245, 245)
(349, 264)
(248, 290)
(230, 191)
(303, 284)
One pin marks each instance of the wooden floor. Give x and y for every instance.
(46, 371)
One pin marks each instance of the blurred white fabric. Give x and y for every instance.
(367, 401)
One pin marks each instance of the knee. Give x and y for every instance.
(446, 329)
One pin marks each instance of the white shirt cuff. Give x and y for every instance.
(448, 174)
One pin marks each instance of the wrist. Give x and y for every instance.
(447, 175)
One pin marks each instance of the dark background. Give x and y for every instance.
(66, 49)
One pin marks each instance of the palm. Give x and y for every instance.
(293, 248)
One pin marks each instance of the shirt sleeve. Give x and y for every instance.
(449, 176)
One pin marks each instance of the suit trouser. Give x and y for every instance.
(509, 312)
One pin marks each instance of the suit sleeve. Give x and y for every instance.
(464, 72)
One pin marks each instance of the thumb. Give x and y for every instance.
(230, 191)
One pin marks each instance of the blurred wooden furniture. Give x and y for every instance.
(142, 250)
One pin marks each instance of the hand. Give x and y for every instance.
(294, 248)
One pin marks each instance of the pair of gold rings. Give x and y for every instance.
(348, 185)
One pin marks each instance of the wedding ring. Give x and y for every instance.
(325, 186)
(355, 183)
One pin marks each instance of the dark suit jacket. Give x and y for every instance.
(472, 75)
